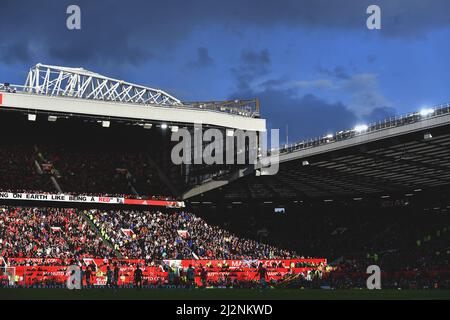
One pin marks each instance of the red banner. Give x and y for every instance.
(151, 275)
(30, 271)
(232, 264)
(160, 203)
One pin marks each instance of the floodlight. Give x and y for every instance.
(361, 128)
(426, 112)
(427, 136)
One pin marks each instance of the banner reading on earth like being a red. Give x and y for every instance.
(89, 199)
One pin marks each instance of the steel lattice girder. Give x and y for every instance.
(81, 83)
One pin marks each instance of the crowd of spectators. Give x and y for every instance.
(18, 170)
(90, 172)
(151, 235)
(28, 169)
(77, 170)
(48, 233)
(66, 234)
(176, 235)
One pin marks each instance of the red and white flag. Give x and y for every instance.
(56, 229)
(128, 232)
(183, 233)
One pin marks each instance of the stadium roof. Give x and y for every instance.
(405, 154)
(76, 91)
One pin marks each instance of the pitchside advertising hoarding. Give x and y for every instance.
(89, 199)
(33, 271)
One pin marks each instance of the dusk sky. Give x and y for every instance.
(314, 64)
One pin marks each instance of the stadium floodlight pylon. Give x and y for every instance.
(85, 84)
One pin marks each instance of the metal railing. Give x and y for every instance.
(246, 108)
(393, 122)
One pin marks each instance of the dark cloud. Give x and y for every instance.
(273, 83)
(339, 72)
(253, 65)
(134, 31)
(131, 54)
(257, 61)
(307, 116)
(371, 58)
(15, 52)
(112, 32)
(203, 59)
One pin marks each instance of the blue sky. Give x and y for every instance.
(313, 64)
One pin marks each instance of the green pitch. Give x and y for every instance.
(220, 294)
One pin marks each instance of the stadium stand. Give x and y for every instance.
(48, 233)
(150, 235)
(19, 171)
(156, 235)
(380, 203)
(79, 162)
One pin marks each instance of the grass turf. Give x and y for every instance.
(220, 294)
